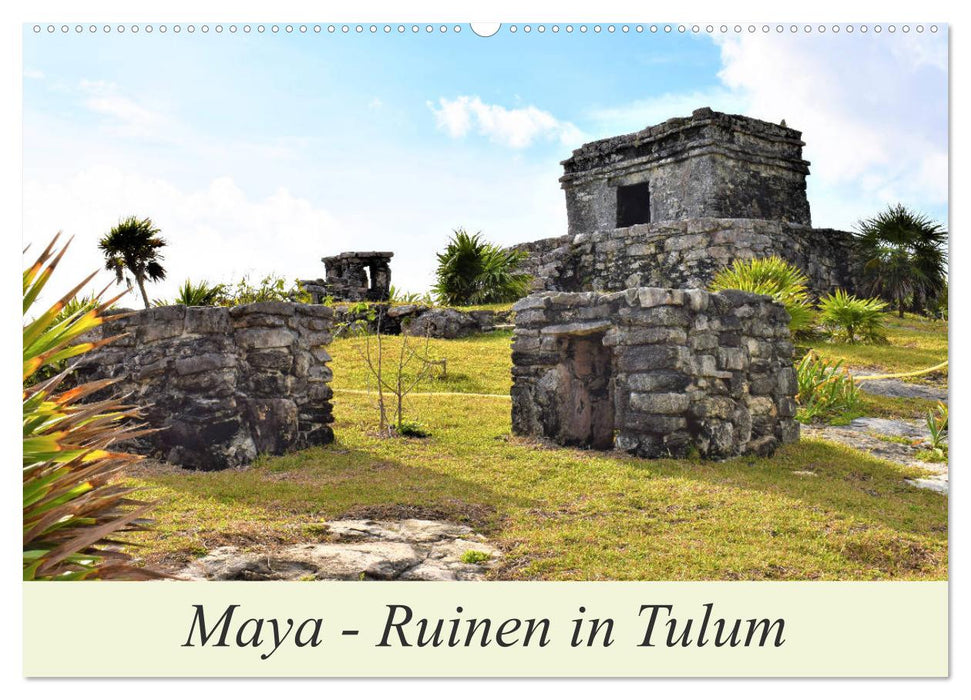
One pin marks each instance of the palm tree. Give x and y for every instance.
(903, 256)
(133, 246)
(472, 271)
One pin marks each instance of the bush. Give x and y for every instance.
(773, 277)
(270, 288)
(72, 508)
(853, 320)
(201, 294)
(825, 391)
(471, 271)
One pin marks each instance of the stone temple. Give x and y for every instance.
(353, 276)
(620, 346)
(672, 204)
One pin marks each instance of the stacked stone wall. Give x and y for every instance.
(686, 254)
(221, 385)
(656, 372)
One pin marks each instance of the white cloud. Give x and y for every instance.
(873, 112)
(126, 115)
(516, 128)
(33, 74)
(216, 233)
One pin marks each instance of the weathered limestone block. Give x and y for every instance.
(691, 371)
(222, 385)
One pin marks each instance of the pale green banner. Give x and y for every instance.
(502, 629)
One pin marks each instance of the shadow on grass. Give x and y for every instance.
(820, 474)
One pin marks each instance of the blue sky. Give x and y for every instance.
(262, 153)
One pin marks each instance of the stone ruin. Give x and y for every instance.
(353, 277)
(621, 347)
(221, 385)
(672, 204)
(656, 372)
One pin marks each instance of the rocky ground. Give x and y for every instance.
(895, 440)
(355, 550)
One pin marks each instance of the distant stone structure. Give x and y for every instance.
(656, 372)
(221, 385)
(672, 204)
(353, 277)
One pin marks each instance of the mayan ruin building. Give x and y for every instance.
(620, 346)
(672, 204)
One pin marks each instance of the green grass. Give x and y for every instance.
(816, 510)
(475, 365)
(572, 514)
(914, 343)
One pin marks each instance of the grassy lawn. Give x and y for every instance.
(814, 511)
(914, 343)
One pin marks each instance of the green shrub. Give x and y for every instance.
(270, 288)
(937, 425)
(200, 294)
(472, 271)
(853, 320)
(73, 509)
(474, 556)
(399, 296)
(773, 277)
(825, 390)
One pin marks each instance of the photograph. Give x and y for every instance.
(489, 302)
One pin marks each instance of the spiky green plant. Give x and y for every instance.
(773, 277)
(72, 506)
(473, 271)
(903, 258)
(825, 390)
(853, 320)
(200, 294)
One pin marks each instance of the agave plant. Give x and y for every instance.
(200, 294)
(853, 320)
(773, 277)
(72, 506)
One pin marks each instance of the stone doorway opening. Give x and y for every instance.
(633, 204)
(586, 391)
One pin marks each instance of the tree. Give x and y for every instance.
(903, 257)
(472, 271)
(133, 246)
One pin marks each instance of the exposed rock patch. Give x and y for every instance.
(388, 550)
(900, 443)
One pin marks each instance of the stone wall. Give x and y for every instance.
(707, 165)
(655, 372)
(222, 385)
(686, 254)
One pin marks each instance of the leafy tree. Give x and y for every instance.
(472, 271)
(904, 258)
(133, 247)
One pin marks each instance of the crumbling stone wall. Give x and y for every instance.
(353, 276)
(655, 371)
(686, 254)
(222, 384)
(708, 165)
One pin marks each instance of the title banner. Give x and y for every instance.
(485, 629)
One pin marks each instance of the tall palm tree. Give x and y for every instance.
(133, 246)
(903, 256)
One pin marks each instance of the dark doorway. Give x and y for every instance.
(633, 204)
(586, 392)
